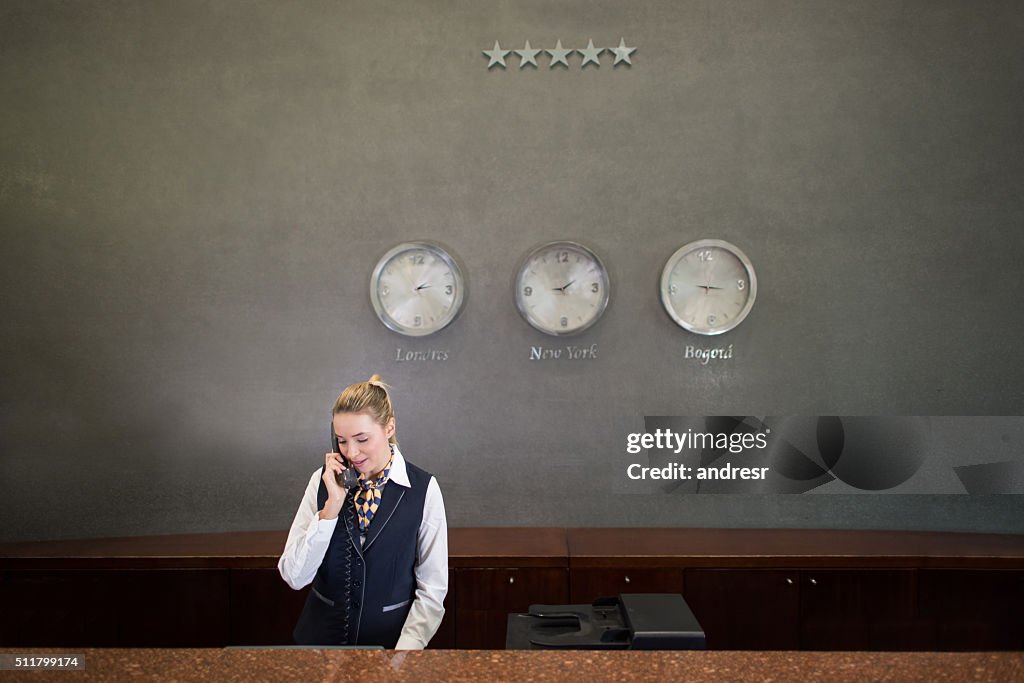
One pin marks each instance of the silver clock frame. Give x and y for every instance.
(521, 305)
(441, 252)
(703, 244)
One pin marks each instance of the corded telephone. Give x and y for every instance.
(350, 478)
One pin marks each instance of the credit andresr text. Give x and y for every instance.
(675, 470)
(667, 440)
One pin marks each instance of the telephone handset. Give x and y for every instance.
(350, 478)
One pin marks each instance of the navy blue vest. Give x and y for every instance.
(362, 595)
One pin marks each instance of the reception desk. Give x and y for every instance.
(488, 665)
(751, 589)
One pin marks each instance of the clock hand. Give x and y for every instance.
(563, 287)
(422, 287)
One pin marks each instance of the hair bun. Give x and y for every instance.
(360, 398)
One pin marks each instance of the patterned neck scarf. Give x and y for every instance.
(368, 499)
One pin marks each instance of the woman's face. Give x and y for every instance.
(363, 442)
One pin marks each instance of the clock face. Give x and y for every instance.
(708, 287)
(417, 288)
(561, 288)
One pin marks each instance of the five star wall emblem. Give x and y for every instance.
(559, 55)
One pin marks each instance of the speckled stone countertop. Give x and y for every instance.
(500, 665)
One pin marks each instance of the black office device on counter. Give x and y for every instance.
(632, 621)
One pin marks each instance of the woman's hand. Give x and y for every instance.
(334, 469)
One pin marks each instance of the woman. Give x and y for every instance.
(376, 554)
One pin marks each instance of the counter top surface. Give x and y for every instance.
(553, 547)
(472, 546)
(476, 665)
(772, 547)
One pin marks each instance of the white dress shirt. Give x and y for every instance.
(309, 537)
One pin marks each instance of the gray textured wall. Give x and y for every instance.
(193, 195)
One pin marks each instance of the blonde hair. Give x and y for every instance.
(370, 397)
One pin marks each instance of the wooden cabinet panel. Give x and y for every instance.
(58, 608)
(808, 609)
(860, 610)
(173, 608)
(510, 589)
(483, 589)
(109, 608)
(264, 609)
(973, 609)
(743, 609)
(586, 585)
(481, 630)
(537, 586)
(485, 597)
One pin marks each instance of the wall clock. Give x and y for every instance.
(561, 288)
(708, 286)
(417, 288)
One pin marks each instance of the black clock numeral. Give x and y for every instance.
(595, 288)
(417, 321)
(563, 257)
(565, 322)
(527, 291)
(448, 290)
(741, 285)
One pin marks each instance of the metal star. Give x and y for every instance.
(527, 56)
(622, 52)
(590, 54)
(497, 55)
(558, 55)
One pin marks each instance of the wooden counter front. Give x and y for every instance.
(757, 589)
(818, 589)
